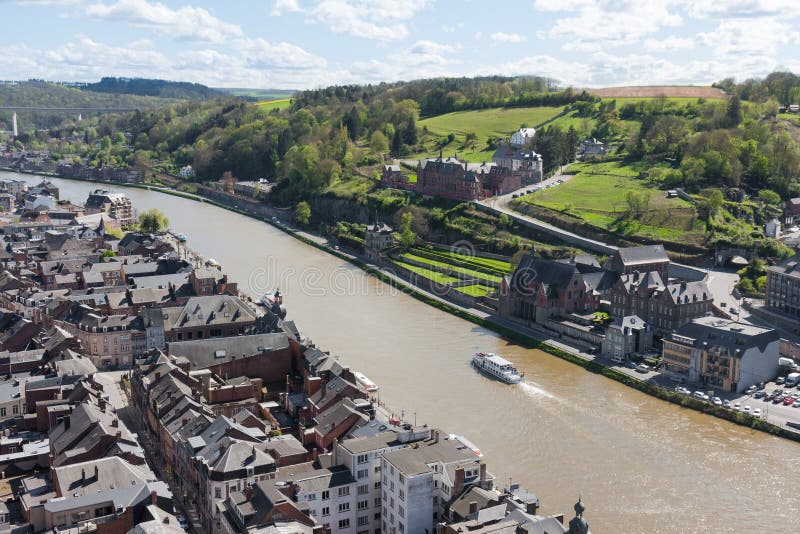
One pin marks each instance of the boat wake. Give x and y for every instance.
(534, 390)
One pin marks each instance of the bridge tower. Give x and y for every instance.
(14, 130)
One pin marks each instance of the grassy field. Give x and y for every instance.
(484, 123)
(453, 258)
(429, 274)
(454, 268)
(269, 105)
(597, 195)
(475, 290)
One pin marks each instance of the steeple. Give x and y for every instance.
(578, 525)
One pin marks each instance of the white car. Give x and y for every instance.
(737, 406)
(757, 412)
(746, 408)
(796, 404)
(717, 401)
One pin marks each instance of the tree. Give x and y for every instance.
(733, 112)
(397, 142)
(714, 201)
(410, 134)
(153, 221)
(407, 236)
(107, 254)
(378, 142)
(302, 213)
(228, 181)
(770, 197)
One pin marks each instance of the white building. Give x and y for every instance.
(34, 202)
(419, 482)
(363, 456)
(187, 172)
(522, 137)
(773, 229)
(331, 496)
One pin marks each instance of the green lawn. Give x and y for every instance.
(269, 105)
(427, 273)
(597, 194)
(475, 290)
(498, 266)
(468, 272)
(484, 123)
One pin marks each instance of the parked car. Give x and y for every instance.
(796, 404)
(726, 403)
(759, 394)
(642, 368)
(746, 408)
(788, 401)
(761, 386)
(750, 390)
(717, 401)
(183, 523)
(757, 412)
(630, 365)
(780, 380)
(737, 406)
(515, 195)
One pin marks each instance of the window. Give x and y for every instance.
(401, 512)
(377, 501)
(15, 409)
(401, 527)
(402, 479)
(363, 473)
(362, 458)
(344, 507)
(217, 493)
(326, 495)
(344, 491)
(377, 469)
(362, 505)
(391, 485)
(311, 497)
(363, 521)
(378, 485)
(363, 489)
(326, 511)
(402, 495)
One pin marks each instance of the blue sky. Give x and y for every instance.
(295, 44)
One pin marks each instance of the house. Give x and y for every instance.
(261, 506)
(722, 354)
(7, 202)
(773, 229)
(791, 211)
(39, 202)
(422, 481)
(664, 307)
(644, 259)
(448, 178)
(202, 317)
(521, 162)
(592, 147)
(392, 176)
(783, 287)
(377, 238)
(187, 172)
(625, 336)
(540, 289)
(117, 205)
(522, 137)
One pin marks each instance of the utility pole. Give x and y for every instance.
(14, 129)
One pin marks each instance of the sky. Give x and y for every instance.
(300, 44)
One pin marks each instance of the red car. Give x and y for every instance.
(788, 401)
(779, 399)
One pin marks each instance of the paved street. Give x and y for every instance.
(133, 419)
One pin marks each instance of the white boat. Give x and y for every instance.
(366, 383)
(180, 236)
(493, 365)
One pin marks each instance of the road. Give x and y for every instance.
(133, 419)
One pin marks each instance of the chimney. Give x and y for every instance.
(334, 450)
(153, 497)
(96, 472)
(248, 492)
(483, 473)
(315, 454)
(66, 423)
(115, 422)
(532, 507)
(473, 507)
(83, 475)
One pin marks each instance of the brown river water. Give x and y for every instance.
(640, 464)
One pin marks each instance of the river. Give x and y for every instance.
(640, 464)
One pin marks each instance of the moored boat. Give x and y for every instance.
(366, 383)
(497, 367)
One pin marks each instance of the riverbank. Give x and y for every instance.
(519, 334)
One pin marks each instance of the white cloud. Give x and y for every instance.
(703, 9)
(192, 23)
(259, 53)
(504, 37)
(381, 20)
(600, 24)
(669, 43)
(285, 6)
(749, 37)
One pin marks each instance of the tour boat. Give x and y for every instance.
(271, 299)
(180, 236)
(493, 365)
(366, 383)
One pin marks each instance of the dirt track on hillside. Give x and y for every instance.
(658, 90)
